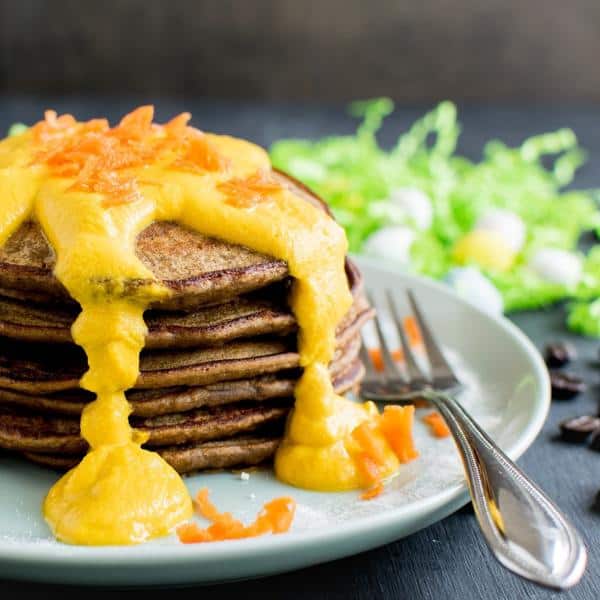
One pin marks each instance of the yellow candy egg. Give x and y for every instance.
(486, 249)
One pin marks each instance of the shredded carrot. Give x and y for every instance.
(177, 125)
(205, 507)
(275, 517)
(412, 331)
(199, 156)
(368, 468)
(393, 428)
(398, 355)
(278, 514)
(437, 424)
(373, 492)
(372, 444)
(100, 158)
(377, 359)
(190, 533)
(396, 425)
(249, 191)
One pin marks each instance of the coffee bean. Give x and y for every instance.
(565, 385)
(558, 354)
(578, 429)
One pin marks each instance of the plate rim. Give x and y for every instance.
(427, 511)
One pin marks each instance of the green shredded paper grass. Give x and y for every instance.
(356, 176)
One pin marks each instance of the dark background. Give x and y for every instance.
(517, 51)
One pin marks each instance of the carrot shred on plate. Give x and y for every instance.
(393, 429)
(368, 468)
(396, 424)
(377, 358)
(436, 424)
(373, 492)
(412, 331)
(205, 508)
(276, 516)
(371, 442)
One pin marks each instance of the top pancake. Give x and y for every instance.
(197, 269)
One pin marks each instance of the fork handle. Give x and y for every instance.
(523, 528)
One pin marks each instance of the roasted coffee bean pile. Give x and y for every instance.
(565, 386)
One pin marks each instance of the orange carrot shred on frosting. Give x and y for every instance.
(199, 156)
(98, 157)
(396, 424)
(135, 126)
(437, 424)
(275, 517)
(249, 191)
(178, 125)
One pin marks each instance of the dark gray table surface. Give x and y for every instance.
(449, 559)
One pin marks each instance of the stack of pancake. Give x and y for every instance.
(218, 370)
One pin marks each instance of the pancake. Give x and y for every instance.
(242, 317)
(221, 454)
(43, 369)
(25, 431)
(196, 269)
(150, 403)
(239, 318)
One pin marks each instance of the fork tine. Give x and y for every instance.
(415, 373)
(440, 369)
(391, 368)
(367, 361)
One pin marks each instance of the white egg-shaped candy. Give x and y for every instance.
(415, 204)
(391, 243)
(557, 266)
(476, 288)
(505, 223)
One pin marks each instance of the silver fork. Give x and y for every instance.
(523, 528)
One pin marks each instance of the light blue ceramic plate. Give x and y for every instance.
(508, 394)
